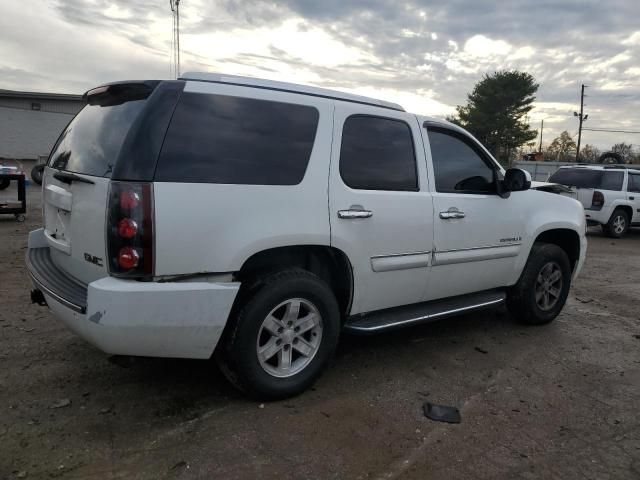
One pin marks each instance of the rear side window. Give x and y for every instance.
(234, 140)
(612, 181)
(377, 154)
(91, 142)
(585, 178)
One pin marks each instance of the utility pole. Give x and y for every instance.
(541, 127)
(175, 9)
(581, 118)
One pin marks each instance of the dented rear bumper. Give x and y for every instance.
(127, 317)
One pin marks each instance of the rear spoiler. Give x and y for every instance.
(118, 93)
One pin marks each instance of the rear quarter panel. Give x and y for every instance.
(203, 227)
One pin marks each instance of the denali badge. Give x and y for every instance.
(510, 239)
(92, 259)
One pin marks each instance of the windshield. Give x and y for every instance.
(585, 178)
(91, 142)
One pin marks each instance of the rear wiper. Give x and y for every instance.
(68, 177)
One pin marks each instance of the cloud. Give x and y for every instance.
(481, 46)
(423, 54)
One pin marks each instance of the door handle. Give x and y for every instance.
(452, 213)
(632, 198)
(352, 213)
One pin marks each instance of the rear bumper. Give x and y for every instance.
(127, 317)
(598, 217)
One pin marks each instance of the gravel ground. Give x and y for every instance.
(559, 401)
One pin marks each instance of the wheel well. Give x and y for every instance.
(566, 239)
(328, 263)
(628, 210)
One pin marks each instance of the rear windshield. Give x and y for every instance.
(585, 178)
(91, 142)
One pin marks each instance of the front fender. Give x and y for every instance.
(548, 214)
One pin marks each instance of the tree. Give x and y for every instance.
(624, 150)
(496, 109)
(589, 153)
(561, 147)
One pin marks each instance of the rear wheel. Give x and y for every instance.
(543, 287)
(282, 337)
(618, 224)
(36, 174)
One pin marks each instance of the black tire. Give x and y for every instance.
(612, 227)
(36, 174)
(4, 183)
(610, 158)
(522, 300)
(237, 354)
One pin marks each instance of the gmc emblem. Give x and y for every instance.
(93, 259)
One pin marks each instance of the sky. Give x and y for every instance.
(426, 55)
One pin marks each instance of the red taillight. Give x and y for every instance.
(129, 199)
(127, 228)
(128, 258)
(598, 200)
(130, 229)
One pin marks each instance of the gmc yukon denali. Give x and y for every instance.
(254, 221)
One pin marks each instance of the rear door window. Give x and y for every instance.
(378, 154)
(235, 140)
(91, 142)
(634, 183)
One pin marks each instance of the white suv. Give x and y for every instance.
(257, 220)
(610, 195)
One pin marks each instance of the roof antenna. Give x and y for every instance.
(175, 41)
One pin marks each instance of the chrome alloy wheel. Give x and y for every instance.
(548, 286)
(289, 337)
(619, 224)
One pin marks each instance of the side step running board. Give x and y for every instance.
(405, 316)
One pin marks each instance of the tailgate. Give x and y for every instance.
(585, 196)
(74, 225)
(77, 177)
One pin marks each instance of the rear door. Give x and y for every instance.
(380, 207)
(633, 195)
(76, 184)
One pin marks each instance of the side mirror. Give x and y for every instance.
(516, 180)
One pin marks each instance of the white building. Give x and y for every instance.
(31, 122)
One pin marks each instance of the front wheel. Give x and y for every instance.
(283, 335)
(543, 287)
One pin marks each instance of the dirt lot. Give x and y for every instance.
(560, 401)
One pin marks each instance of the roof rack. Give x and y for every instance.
(625, 167)
(288, 87)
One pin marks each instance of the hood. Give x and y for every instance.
(550, 187)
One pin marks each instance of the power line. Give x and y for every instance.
(609, 130)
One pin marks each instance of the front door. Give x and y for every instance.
(478, 234)
(379, 204)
